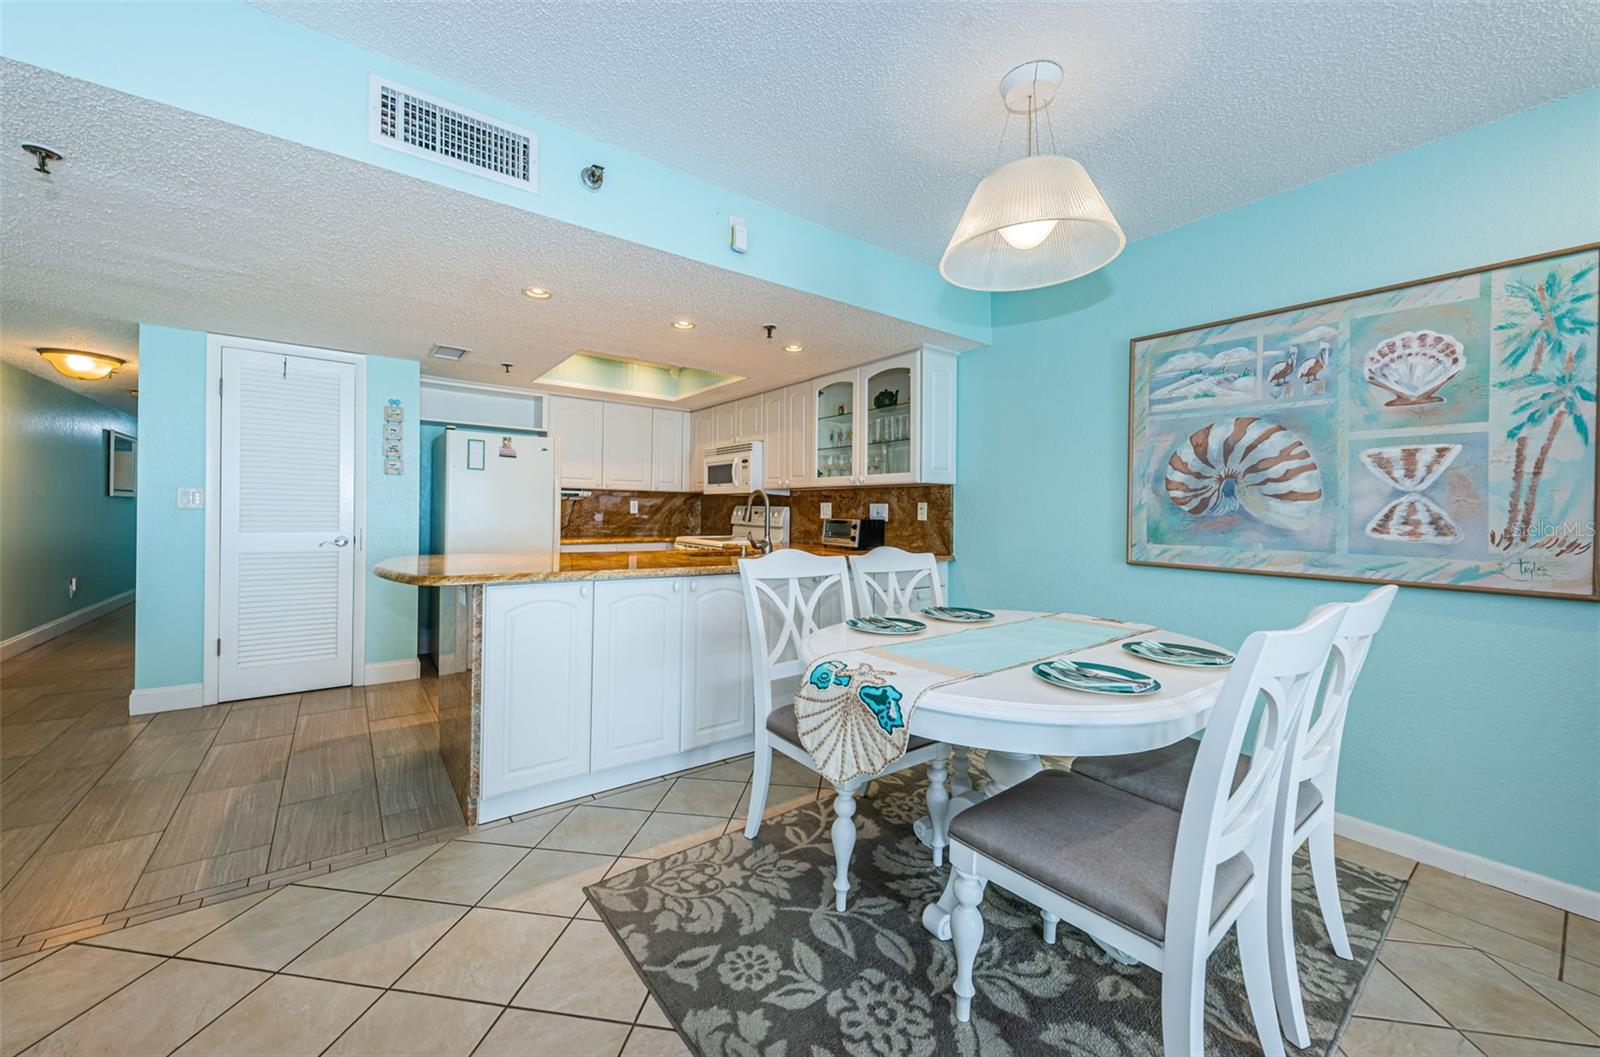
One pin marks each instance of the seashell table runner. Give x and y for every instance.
(854, 708)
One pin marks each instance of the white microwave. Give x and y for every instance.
(734, 468)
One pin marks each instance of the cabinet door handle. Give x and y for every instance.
(583, 592)
(676, 587)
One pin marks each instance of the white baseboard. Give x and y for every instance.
(27, 640)
(392, 671)
(1563, 894)
(165, 699)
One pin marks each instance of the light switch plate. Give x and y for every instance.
(878, 510)
(922, 511)
(827, 510)
(191, 498)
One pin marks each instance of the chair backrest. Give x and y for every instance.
(886, 577)
(1317, 760)
(1271, 683)
(785, 594)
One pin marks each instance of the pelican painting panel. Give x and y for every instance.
(1438, 433)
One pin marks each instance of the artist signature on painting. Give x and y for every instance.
(1527, 569)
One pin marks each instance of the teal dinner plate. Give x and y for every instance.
(958, 614)
(1095, 678)
(887, 625)
(1179, 653)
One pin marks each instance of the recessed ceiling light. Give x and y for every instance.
(683, 324)
(538, 293)
(447, 352)
(84, 366)
(794, 348)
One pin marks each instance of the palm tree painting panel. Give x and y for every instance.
(1439, 433)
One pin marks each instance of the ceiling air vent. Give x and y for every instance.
(418, 124)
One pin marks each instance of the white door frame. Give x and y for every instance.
(213, 509)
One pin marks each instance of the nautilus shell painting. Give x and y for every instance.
(1440, 433)
(1245, 464)
(1414, 367)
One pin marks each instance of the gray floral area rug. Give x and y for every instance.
(739, 943)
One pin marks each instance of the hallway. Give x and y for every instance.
(109, 816)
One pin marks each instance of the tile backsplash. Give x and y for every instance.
(667, 514)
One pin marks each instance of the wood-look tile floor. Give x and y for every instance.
(486, 945)
(105, 817)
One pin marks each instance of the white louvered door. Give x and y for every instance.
(288, 524)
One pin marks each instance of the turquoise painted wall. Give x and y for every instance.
(392, 509)
(169, 613)
(1477, 724)
(238, 64)
(169, 641)
(56, 521)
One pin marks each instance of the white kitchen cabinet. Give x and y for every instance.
(536, 684)
(774, 451)
(703, 430)
(638, 670)
(796, 436)
(725, 425)
(580, 426)
(625, 461)
(747, 419)
(718, 688)
(669, 450)
(890, 422)
(833, 431)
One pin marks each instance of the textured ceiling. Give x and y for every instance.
(878, 119)
(161, 216)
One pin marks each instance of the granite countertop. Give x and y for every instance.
(448, 570)
(616, 539)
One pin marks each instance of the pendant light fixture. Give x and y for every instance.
(1036, 221)
(84, 366)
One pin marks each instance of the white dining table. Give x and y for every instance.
(1018, 717)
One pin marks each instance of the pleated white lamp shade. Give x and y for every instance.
(1034, 222)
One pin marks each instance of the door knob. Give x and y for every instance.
(337, 541)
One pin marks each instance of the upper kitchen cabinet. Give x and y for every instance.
(580, 426)
(834, 433)
(774, 469)
(703, 437)
(627, 458)
(890, 422)
(669, 450)
(797, 454)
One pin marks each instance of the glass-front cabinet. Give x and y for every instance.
(837, 397)
(866, 424)
(891, 426)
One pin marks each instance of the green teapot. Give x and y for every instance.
(887, 398)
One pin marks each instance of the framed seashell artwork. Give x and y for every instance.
(1437, 433)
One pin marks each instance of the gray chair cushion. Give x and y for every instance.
(782, 722)
(1162, 776)
(1109, 850)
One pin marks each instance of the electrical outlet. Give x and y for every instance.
(879, 511)
(191, 498)
(922, 511)
(633, 506)
(827, 510)
(72, 587)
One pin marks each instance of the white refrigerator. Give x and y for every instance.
(492, 493)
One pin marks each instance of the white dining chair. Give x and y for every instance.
(1162, 886)
(885, 580)
(786, 593)
(1306, 799)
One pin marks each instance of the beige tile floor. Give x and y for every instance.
(106, 816)
(486, 945)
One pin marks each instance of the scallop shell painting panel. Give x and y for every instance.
(1441, 433)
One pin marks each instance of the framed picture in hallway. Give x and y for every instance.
(1437, 433)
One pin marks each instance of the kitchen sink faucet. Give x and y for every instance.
(765, 546)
